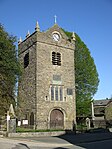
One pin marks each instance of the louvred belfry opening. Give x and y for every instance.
(59, 59)
(56, 58)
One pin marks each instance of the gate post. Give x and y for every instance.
(8, 119)
(11, 120)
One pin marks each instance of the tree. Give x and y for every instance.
(86, 77)
(9, 69)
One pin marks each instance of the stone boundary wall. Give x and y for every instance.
(36, 134)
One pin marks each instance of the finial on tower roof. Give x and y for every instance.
(55, 19)
(37, 28)
(20, 40)
(73, 36)
(28, 34)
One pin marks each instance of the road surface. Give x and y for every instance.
(66, 142)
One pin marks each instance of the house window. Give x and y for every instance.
(26, 60)
(56, 93)
(56, 58)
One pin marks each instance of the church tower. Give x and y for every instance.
(47, 85)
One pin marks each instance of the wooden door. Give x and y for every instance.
(56, 119)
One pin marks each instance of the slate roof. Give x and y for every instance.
(103, 102)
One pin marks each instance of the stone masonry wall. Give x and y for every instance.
(27, 82)
(108, 112)
(45, 47)
(35, 82)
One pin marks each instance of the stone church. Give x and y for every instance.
(47, 85)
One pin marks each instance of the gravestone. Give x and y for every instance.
(88, 123)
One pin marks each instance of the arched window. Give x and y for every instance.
(26, 60)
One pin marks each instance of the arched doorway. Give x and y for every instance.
(56, 119)
(32, 119)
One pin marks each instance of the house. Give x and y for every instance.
(101, 110)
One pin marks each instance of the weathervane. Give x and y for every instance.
(55, 19)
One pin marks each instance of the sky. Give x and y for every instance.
(90, 19)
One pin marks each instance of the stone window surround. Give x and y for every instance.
(59, 100)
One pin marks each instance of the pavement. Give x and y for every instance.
(58, 141)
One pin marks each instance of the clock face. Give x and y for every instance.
(56, 36)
